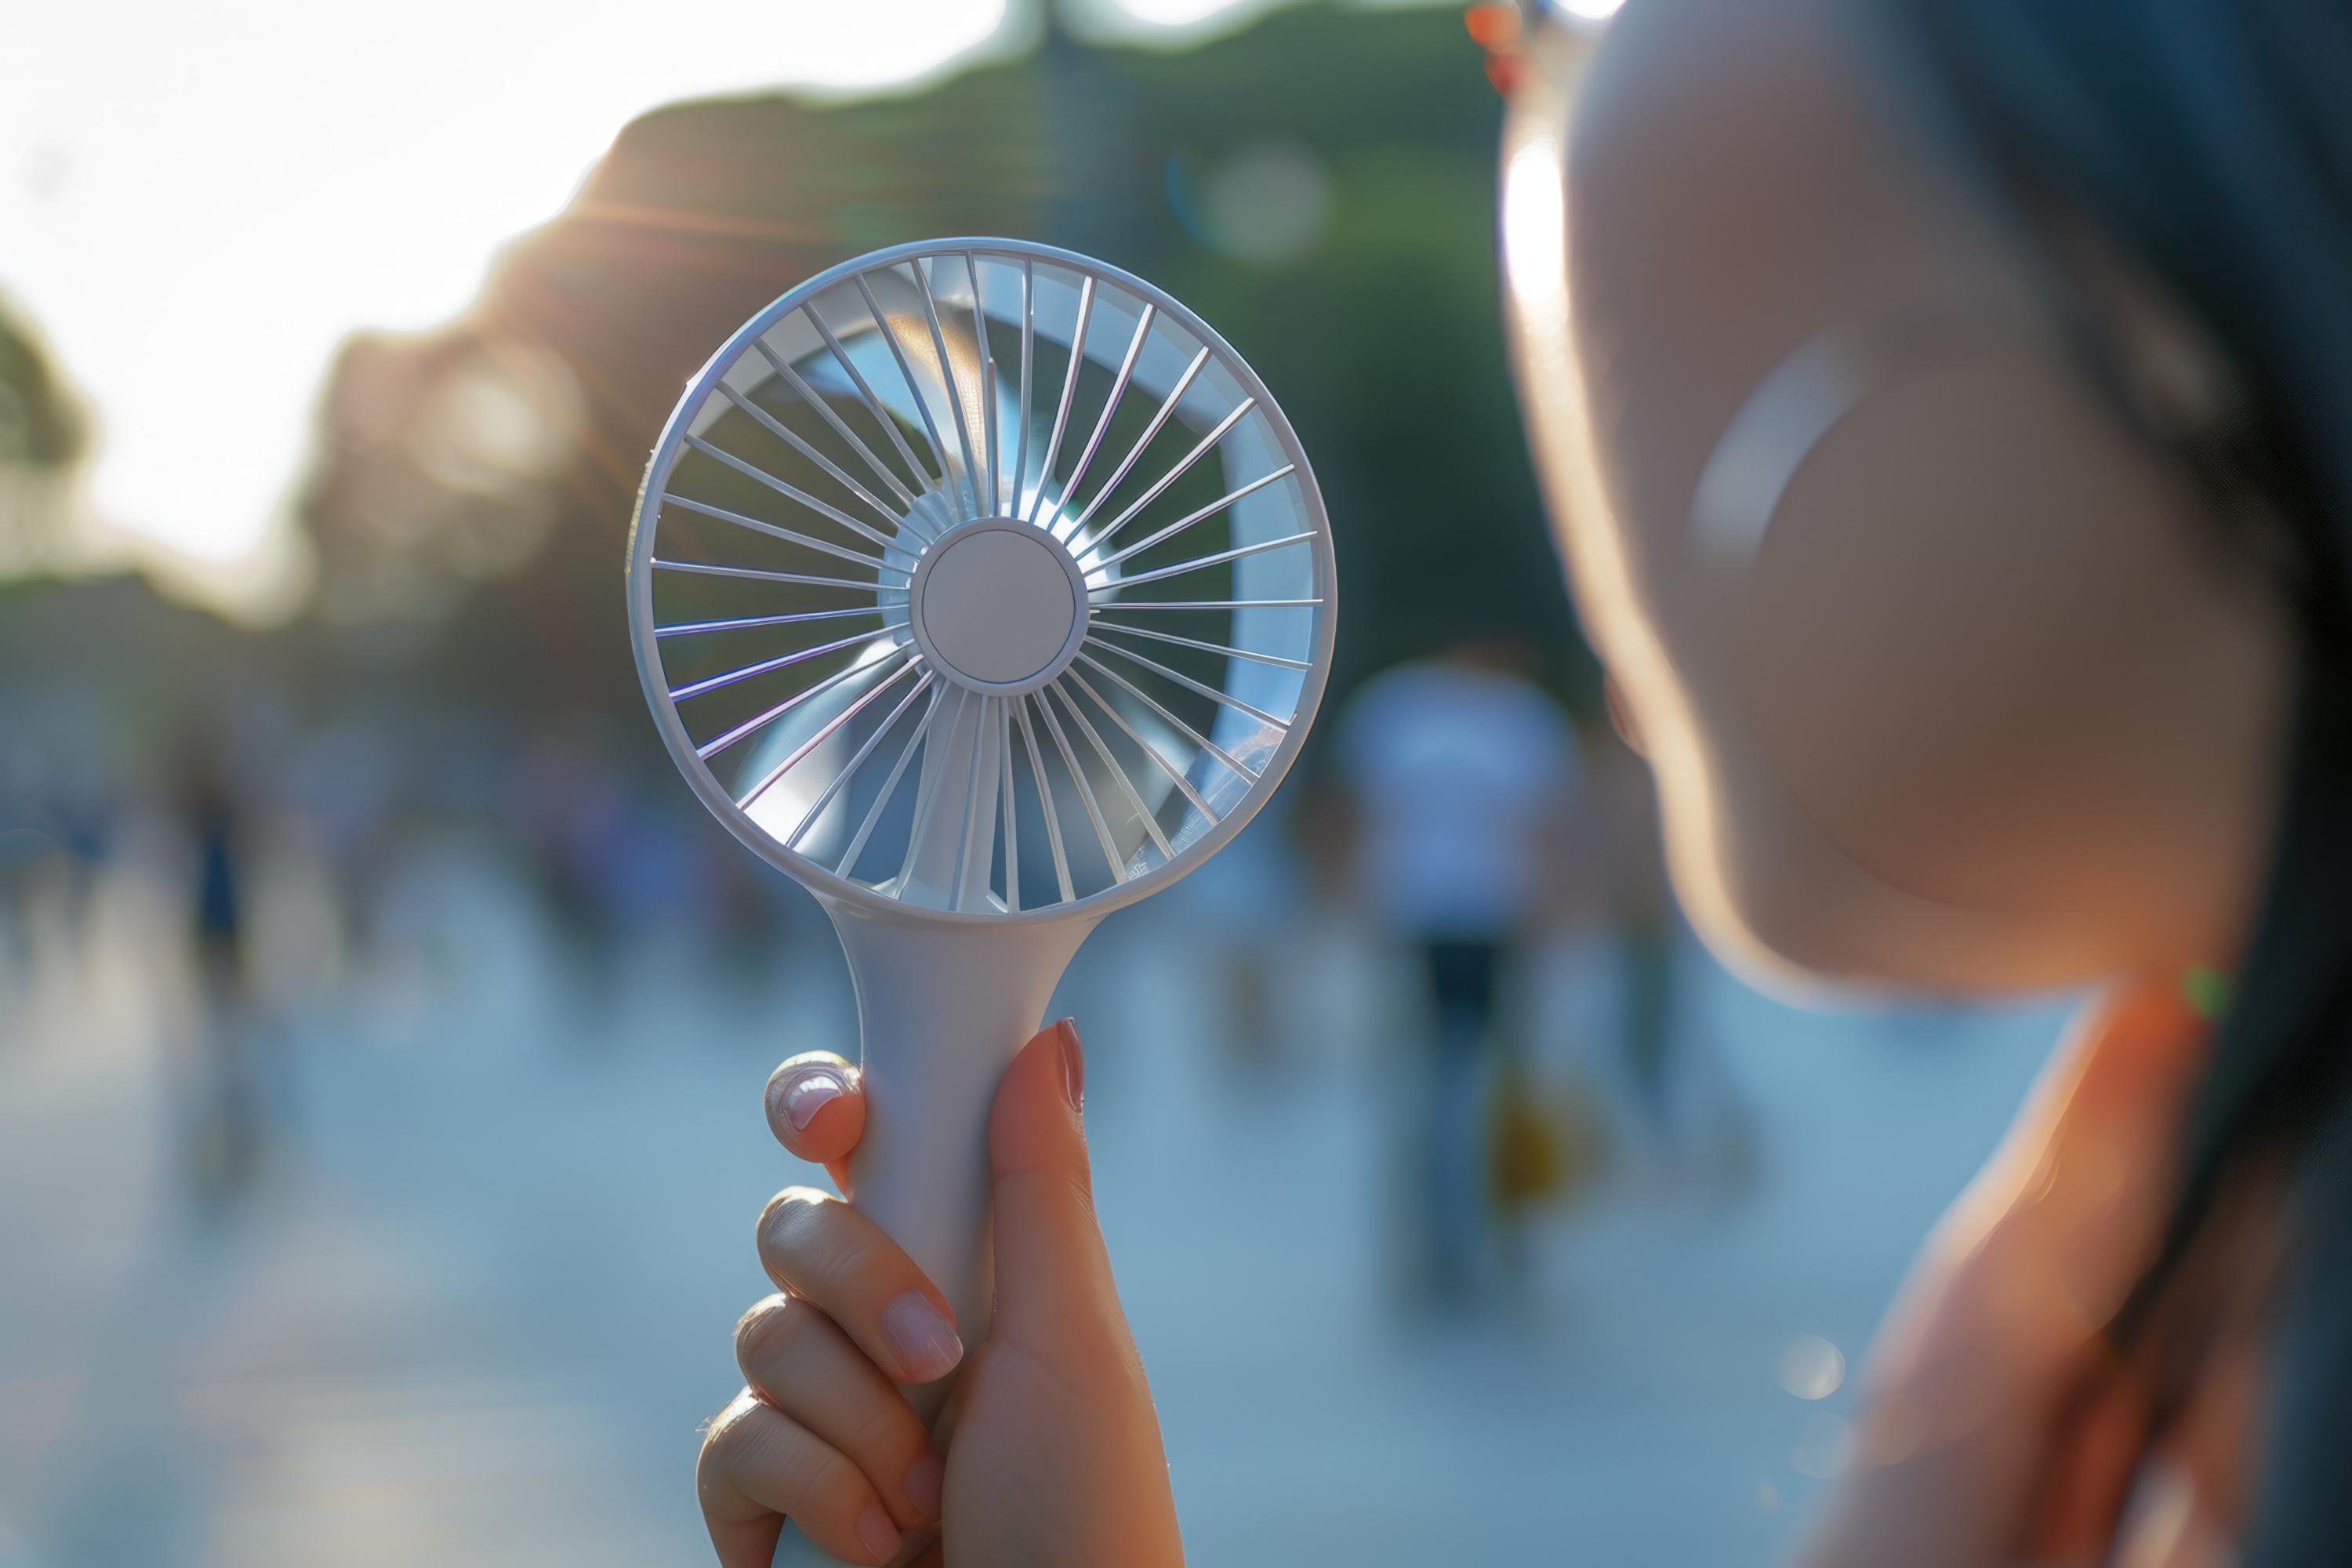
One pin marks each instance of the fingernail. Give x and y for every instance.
(810, 1093)
(924, 1340)
(1074, 1064)
(876, 1533)
(926, 1485)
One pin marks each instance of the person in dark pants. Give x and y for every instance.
(1461, 772)
(228, 1118)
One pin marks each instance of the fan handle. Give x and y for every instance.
(941, 1011)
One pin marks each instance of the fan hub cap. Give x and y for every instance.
(997, 606)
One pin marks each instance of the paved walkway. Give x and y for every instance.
(480, 1299)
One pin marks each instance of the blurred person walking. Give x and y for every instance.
(1461, 772)
(1245, 912)
(227, 1117)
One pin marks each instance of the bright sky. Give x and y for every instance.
(198, 201)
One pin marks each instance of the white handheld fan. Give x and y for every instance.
(983, 589)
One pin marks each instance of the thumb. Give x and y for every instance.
(1053, 1278)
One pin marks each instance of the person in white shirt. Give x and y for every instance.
(1463, 773)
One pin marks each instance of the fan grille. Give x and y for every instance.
(981, 578)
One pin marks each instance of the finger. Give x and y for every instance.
(2171, 1525)
(758, 1464)
(2089, 1476)
(799, 1361)
(819, 1248)
(2082, 1178)
(1053, 1276)
(2094, 1152)
(1994, 1325)
(2213, 1440)
(816, 1107)
(2131, 1063)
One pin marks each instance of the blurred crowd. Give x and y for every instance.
(253, 877)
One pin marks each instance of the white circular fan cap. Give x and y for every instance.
(995, 604)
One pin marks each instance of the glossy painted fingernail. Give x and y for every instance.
(876, 1533)
(926, 1485)
(924, 1342)
(1074, 1064)
(810, 1093)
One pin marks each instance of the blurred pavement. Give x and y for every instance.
(481, 1299)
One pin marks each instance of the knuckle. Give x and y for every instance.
(793, 1206)
(724, 1436)
(1058, 1190)
(886, 1430)
(858, 1256)
(793, 1222)
(747, 1440)
(814, 1244)
(828, 1478)
(804, 1473)
(770, 1329)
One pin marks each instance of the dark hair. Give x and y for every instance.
(2210, 143)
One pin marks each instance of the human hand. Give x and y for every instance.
(1052, 1451)
(2000, 1426)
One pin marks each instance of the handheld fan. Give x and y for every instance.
(983, 589)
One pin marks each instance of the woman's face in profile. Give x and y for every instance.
(1926, 724)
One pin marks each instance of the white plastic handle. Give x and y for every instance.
(941, 1010)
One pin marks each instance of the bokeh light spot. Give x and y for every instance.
(1810, 1367)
